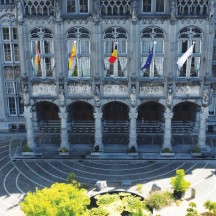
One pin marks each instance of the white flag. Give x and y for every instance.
(185, 56)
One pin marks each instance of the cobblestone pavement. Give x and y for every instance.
(17, 177)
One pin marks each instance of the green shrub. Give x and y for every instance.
(166, 150)
(63, 149)
(27, 148)
(178, 182)
(139, 187)
(196, 149)
(159, 199)
(98, 212)
(210, 206)
(192, 211)
(72, 180)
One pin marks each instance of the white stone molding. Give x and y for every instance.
(115, 90)
(44, 89)
(80, 89)
(184, 90)
(157, 90)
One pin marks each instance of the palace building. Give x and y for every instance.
(57, 75)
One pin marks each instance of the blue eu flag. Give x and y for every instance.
(149, 60)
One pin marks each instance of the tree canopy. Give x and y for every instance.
(59, 200)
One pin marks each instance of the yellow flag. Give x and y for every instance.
(37, 56)
(72, 55)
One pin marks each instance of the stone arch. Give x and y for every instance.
(115, 111)
(80, 111)
(185, 117)
(150, 111)
(46, 111)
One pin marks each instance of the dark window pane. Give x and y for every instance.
(71, 6)
(146, 5)
(159, 5)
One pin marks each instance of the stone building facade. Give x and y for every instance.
(67, 92)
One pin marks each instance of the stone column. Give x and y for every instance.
(29, 127)
(98, 128)
(202, 129)
(64, 130)
(197, 122)
(132, 134)
(167, 129)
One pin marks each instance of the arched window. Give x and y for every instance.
(42, 52)
(152, 38)
(187, 36)
(78, 40)
(115, 38)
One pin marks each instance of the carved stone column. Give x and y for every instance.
(64, 131)
(132, 134)
(167, 129)
(197, 122)
(98, 128)
(202, 130)
(29, 127)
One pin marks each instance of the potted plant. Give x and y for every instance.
(27, 151)
(167, 152)
(96, 150)
(179, 184)
(63, 151)
(196, 151)
(132, 151)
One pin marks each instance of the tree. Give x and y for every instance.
(191, 211)
(59, 200)
(178, 182)
(210, 206)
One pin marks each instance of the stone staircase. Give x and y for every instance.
(116, 127)
(83, 127)
(149, 127)
(51, 126)
(182, 127)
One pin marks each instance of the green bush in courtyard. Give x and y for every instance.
(159, 199)
(210, 206)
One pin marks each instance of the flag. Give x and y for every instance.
(37, 56)
(185, 56)
(114, 55)
(72, 55)
(149, 59)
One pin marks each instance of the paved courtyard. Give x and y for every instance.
(17, 177)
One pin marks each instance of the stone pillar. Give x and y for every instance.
(98, 128)
(29, 127)
(202, 130)
(197, 122)
(167, 129)
(64, 130)
(132, 134)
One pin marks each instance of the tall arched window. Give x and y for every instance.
(42, 52)
(152, 36)
(186, 37)
(78, 40)
(115, 38)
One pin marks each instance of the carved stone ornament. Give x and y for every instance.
(80, 89)
(185, 89)
(44, 89)
(133, 96)
(117, 90)
(151, 89)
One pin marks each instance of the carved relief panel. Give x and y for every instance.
(44, 89)
(186, 89)
(80, 89)
(116, 90)
(151, 89)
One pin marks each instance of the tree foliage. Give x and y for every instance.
(191, 211)
(210, 206)
(178, 182)
(59, 200)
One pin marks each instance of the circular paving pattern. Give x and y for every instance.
(17, 177)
